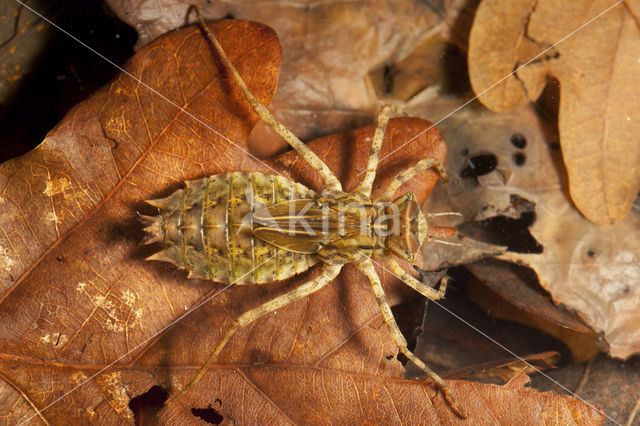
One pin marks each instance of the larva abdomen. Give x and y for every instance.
(207, 229)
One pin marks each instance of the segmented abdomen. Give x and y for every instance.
(208, 228)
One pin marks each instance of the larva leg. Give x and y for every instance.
(367, 268)
(331, 183)
(372, 164)
(404, 176)
(328, 273)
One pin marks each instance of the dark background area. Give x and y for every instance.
(45, 72)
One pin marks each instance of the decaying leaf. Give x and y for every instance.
(592, 48)
(592, 270)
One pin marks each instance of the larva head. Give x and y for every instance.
(409, 229)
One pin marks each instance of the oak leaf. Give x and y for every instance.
(591, 48)
(87, 324)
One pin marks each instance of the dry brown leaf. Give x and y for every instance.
(51, 190)
(78, 294)
(440, 256)
(590, 269)
(497, 42)
(634, 8)
(597, 66)
(74, 290)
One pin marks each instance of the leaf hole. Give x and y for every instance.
(409, 319)
(519, 158)
(506, 231)
(518, 140)
(387, 78)
(148, 404)
(479, 165)
(402, 358)
(389, 357)
(209, 415)
(590, 253)
(61, 259)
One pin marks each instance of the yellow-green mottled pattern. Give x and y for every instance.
(208, 229)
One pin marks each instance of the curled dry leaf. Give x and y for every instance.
(512, 285)
(510, 369)
(538, 311)
(78, 295)
(594, 55)
(590, 269)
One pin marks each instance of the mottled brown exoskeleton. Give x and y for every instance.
(253, 228)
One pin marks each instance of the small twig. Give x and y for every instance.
(585, 377)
